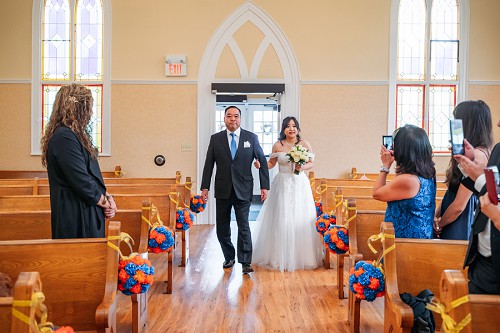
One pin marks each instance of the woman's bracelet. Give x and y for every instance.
(384, 169)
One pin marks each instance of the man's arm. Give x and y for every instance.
(264, 170)
(209, 166)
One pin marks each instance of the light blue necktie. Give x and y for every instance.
(233, 145)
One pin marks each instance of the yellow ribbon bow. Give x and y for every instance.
(449, 325)
(123, 237)
(381, 236)
(37, 299)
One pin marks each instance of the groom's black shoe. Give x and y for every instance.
(247, 268)
(228, 264)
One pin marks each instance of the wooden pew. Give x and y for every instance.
(484, 309)
(353, 191)
(414, 265)
(42, 202)
(26, 284)
(25, 202)
(18, 189)
(167, 208)
(20, 225)
(127, 188)
(365, 224)
(13, 174)
(25, 224)
(79, 277)
(40, 186)
(355, 175)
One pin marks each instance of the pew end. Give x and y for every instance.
(414, 265)
(481, 307)
(65, 266)
(27, 283)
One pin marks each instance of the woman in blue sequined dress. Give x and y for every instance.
(411, 195)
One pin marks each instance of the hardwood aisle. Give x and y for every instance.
(207, 298)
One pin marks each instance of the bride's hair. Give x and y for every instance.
(284, 125)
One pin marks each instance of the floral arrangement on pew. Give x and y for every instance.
(196, 204)
(336, 239)
(135, 273)
(161, 238)
(184, 219)
(367, 279)
(319, 208)
(324, 221)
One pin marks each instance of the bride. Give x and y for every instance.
(286, 230)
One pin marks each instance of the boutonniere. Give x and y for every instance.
(246, 144)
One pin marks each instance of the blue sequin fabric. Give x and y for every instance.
(413, 218)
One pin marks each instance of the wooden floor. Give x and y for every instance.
(207, 298)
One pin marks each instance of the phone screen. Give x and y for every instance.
(387, 142)
(457, 136)
(492, 180)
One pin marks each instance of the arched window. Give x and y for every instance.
(70, 47)
(428, 59)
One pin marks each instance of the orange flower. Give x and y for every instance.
(137, 260)
(159, 238)
(123, 275)
(136, 289)
(140, 276)
(374, 283)
(359, 271)
(149, 279)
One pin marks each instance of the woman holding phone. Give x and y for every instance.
(410, 196)
(454, 216)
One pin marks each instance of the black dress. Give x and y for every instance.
(461, 227)
(76, 185)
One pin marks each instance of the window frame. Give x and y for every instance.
(37, 82)
(461, 83)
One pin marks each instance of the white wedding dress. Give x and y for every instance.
(285, 235)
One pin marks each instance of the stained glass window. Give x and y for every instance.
(73, 55)
(427, 66)
(49, 92)
(88, 36)
(56, 40)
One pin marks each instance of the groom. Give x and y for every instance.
(233, 151)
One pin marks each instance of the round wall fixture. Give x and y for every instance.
(159, 160)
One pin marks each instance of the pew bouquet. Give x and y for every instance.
(299, 155)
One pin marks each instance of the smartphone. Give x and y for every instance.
(492, 181)
(457, 136)
(387, 142)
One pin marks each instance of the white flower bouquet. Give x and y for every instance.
(299, 155)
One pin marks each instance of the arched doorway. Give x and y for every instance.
(245, 48)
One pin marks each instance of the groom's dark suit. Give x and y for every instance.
(234, 188)
(480, 221)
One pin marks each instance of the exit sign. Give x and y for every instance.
(175, 65)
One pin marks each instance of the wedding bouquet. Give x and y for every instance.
(298, 154)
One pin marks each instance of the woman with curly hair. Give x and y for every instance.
(411, 195)
(78, 198)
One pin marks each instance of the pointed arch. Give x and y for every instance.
(222, 37)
